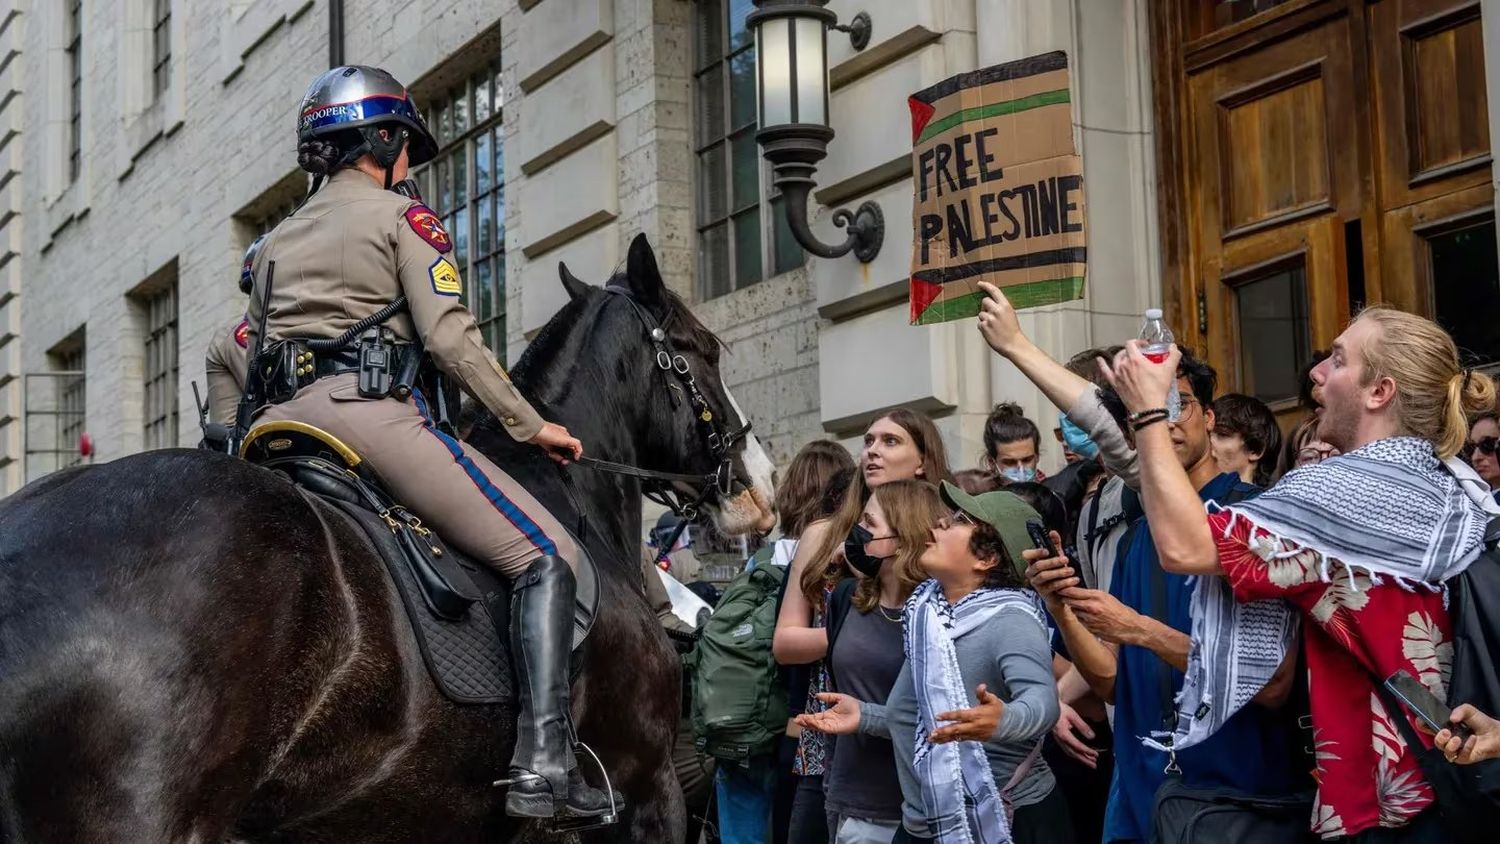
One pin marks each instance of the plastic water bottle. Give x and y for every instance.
(1157, 339)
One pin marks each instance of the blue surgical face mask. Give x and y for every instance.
(1018, 474)
(1077, 439)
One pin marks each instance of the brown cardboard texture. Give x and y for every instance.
(999, 190)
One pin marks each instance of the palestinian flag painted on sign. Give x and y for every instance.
(999, 190)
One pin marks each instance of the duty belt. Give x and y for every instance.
(336, 363)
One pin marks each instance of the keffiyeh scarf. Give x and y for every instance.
(1388, 509)
(958, 789)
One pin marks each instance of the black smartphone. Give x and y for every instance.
(1423, 703)
(1040, 539)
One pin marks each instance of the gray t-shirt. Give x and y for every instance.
(866, 659)
(1012, 655)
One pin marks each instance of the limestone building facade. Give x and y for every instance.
(144, 143)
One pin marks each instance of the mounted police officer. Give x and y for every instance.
(229, 352)
(340, 261)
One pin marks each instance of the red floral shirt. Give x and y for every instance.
(1367, 776)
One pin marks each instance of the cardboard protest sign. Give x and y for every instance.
(999, 190)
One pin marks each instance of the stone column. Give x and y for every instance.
(1108, 46)
(1490, 20)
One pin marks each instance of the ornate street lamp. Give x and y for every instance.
(792, 98)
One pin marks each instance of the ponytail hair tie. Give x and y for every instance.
(1464, 387)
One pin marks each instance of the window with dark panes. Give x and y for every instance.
(271, 218)
(75, 87)
(1205, 16)
(1275, 334)
(743, 236)
(161, 48)
(1466, 288)
(465, 186)
(71, 411)
(161, 367)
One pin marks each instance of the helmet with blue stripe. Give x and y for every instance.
(365, 100)
(247, 269)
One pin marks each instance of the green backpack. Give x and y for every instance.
(739, 699)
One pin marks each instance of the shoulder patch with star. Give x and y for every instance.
(428, 227)
(242, 333)
(444, 278)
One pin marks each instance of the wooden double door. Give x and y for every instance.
(1318, 155)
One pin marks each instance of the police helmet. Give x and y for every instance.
(364, 99)
(247, 269)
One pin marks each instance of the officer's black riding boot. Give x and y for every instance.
(545, 781)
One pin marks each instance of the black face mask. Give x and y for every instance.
(856, 555)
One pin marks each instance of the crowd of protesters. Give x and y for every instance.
(1183, 633)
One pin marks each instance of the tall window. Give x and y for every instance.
(271, 218)
(161, 368)
(465, 186)
(161, 48)
(742, 232)
(71, 411)
(75, 87)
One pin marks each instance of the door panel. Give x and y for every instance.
(1433, 160)
(1270, 181)
(1318, 150)
(1427, 70)
(1408, 235)
(1259, 336)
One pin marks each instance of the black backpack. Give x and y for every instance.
(1468, 796)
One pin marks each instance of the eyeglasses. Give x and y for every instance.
(959, 517)
(1487, 445)
(1185, 410)
(1315, 454)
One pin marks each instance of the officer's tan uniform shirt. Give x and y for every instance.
(350, 250)
(225, 365)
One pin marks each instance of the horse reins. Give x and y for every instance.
(657, 486)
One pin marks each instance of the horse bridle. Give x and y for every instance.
(658, 486)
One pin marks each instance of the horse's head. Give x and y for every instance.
(689, 421)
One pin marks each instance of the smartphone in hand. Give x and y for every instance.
(1041, 540)
(1424, 704)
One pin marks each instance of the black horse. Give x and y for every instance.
(191, 653)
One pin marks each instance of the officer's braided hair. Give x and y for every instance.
(319, 156)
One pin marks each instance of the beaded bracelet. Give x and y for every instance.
(1142, 414)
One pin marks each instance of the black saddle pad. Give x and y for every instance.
(467, 658)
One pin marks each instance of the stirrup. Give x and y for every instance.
(575, 823)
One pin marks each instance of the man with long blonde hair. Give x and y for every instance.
(1357, 547)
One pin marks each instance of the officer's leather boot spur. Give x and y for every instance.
(544, 777)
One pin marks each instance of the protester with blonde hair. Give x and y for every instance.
(1358, 546)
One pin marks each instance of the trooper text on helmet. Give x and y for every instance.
(367, 103)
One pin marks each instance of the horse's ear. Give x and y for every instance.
(642, 273)
(577, 288)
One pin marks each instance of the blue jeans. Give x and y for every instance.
(744, 801)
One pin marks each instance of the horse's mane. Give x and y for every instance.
(686, 331)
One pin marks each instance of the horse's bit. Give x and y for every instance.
(657, 486)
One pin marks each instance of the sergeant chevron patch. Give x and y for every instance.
(444, 278)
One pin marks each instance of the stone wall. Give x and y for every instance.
(599, 149)
(598, 146)
(12, 231)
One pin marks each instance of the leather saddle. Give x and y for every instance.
(456, 605)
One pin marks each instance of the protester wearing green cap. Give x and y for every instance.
(973, 626)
